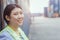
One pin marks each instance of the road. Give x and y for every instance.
(44, 28)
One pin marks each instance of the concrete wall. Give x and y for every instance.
(25, 5)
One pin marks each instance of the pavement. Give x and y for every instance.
(44, 28)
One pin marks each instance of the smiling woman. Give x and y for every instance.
(13, 15)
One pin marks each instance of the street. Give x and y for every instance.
(44, 28)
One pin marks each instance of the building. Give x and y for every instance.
(59, 8)
(54, 8)
(46, 11)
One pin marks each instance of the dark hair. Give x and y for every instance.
(8, 10)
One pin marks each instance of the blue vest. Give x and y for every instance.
(8, 34)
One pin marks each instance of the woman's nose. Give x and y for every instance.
(20, 16)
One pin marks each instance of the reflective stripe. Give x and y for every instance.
(13, 34)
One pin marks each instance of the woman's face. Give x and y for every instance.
(16, 17)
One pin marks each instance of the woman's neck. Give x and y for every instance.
(14, 27)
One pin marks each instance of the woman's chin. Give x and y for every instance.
(20, 24)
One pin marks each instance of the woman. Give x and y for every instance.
(13, 15)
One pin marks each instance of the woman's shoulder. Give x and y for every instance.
(3, 31)
(4, 35)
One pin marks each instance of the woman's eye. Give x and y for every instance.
(16, 14)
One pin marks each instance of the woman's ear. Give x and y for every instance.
(7, 18)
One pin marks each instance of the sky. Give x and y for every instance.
(37, 6)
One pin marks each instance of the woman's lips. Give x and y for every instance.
(20, 21)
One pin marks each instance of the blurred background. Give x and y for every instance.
(42, 18)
